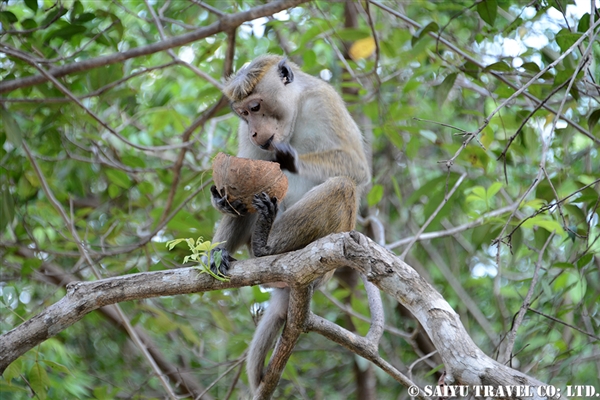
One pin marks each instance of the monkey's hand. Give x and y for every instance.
(287, 157)
(235, 208)
(267, 211)
(220, 261)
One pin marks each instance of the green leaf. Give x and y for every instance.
(7, 17)
(565, 39)
(498, 66)
(353, 34)
(38, 379)
(563, 76)
(548, 224)
(54, 15)
(575, 285)
(397, 189)
(190, 335)
(202, 246)
(584, 23)
(493, 189)
(477, 193)
(76, 9)
(430, 27)
(7, 208)
(67, 31)
(375, 195)
(172, 243)
(585, 260)
(563, 265)
(13, 131)
(56, 367)
(394, 136)
(531, 67)
(39, 234)
(32, 4)
(442, 90)
(471, 69)
(113, 191)
(218, 258)
(119, 178)
(85, 17)
(13, 370)
(29, 23)
(308, 36)
(593, 119)
(4, 388)
(488, 9)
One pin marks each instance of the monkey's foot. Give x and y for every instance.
(266, 207)
(220, 261)
(267, 211)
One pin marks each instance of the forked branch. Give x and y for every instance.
(465, 363)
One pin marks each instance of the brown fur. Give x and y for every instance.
(240, 85)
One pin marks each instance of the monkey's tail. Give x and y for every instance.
(266, 332)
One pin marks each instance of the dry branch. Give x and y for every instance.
(465, 363)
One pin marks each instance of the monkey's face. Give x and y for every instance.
(267, 123)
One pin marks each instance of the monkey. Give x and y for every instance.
(300, 122)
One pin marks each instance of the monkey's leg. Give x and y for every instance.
(327, 208)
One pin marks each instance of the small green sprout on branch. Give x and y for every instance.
(201, 249)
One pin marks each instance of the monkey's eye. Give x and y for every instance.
(254, 106)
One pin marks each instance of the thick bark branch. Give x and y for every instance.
(225, 24)
(179, 376)
(299, 309)
(465, 363)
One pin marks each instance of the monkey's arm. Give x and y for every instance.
(330, 163)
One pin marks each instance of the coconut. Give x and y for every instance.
(241, 178)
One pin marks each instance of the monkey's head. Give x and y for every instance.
(263, 96)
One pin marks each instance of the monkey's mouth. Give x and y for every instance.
(267, 144)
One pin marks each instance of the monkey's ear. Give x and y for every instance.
(285, 72)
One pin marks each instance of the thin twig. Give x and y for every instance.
(550, 317)
(453, 231)
(512, 335)
(432, 216)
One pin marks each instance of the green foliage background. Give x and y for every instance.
(417, 99)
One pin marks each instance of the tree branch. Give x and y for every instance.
(357, 344)
(179, 376)
(465, 363)
(298, 311)
(225, 23)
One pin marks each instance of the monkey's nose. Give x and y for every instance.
(267, 144)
